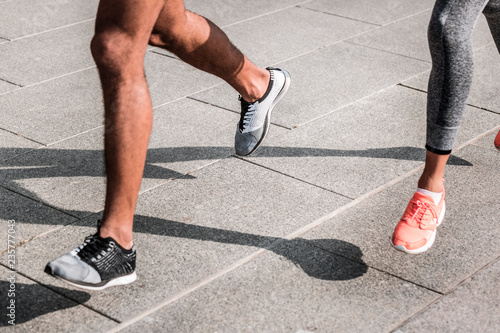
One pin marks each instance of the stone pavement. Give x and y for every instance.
(292, 239)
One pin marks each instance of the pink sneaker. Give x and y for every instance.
(497, 141)
(416, 231)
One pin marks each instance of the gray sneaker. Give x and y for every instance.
(96, 264)
(256, 117)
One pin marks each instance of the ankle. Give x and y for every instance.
(430, 184)
(256, 88)
(121, 236)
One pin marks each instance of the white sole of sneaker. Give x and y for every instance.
(122, 280)
(428, 244)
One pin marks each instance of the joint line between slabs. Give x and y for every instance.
(43, 202)
(280, 241)
(338, 15)
(22, 136)
(290, 236)
(292, 177)
(258, 253)
(52, 29)
(265, 14)
(459, 284)
(13, 83)
(61, 294)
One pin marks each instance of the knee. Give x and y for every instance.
(111, 51)
(447, 30)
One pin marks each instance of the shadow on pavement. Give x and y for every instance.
(34, 300)
(52, 163)
(319, 259)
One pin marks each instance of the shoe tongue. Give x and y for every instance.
(424, 198)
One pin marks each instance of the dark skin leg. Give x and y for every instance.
(123, 30)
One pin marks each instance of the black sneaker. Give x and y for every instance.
(95, 265)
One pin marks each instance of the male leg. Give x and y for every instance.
(200, 43)
(121, 37)
(123, 29)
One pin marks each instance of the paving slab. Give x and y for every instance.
(27, 17)
(353, 120)
(67, 106)
(234, 193)
(224, 13)
(298, 288)
(377, 12)
(328, 80)
(240, 12)
(41, 308)
(472, 307)
(171, 79)
(56, 109)
(178, 144)
(347, 153)
(471, 215)
(191, 228)
(485, 86)
(22, 219)
(12, 145)
(409, 36)
(69, 175)
(267, 40)
(47, 55)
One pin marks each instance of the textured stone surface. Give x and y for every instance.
(378, 12)
(339, 165)
(295, 288)
(69, 175)
(471, 215)
(70, 105)
(409, 36)
(12, 145)
(41, 308)
(329, 79)
(266, 40)
(27, 17)
(346, 153)
(47, 55)
(191, 228)
(477, 298)
(6, 86)
(23, 219)
(225, 13)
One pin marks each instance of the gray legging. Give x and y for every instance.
(450, 42)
